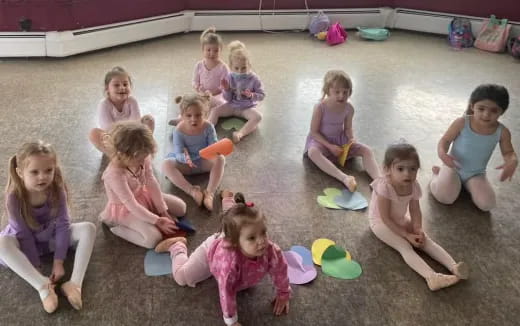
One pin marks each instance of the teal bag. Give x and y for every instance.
(375, 34)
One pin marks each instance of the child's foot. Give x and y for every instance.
(165, 245)
(196, 194)
(50, 300)
(237, 136)
(73, 293)
(350, 182)
(439, 281)
(174, 122)
(226, 193)
(436, 169)
(208, 200)
(461, 270)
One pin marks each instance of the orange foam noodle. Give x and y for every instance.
(223, 146)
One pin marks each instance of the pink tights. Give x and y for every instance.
(445, 186)
(193, 269)
(406, 250)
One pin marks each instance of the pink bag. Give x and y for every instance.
(336, 34)
(493, 35)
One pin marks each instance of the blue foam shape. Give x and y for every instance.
(185, 225)
(351, 200)
(157, 264)
(305, 253)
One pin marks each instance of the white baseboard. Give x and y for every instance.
(66, 43)
(22, 44)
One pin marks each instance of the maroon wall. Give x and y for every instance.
(59, 15)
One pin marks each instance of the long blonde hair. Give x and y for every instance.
(16, 186)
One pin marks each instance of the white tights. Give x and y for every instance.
(82, 237)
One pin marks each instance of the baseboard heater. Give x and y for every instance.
(66, 43)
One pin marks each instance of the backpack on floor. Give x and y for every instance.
(513, 46)
(319, 23)
(460, 34)
(336, 34)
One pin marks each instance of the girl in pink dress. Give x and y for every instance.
(137, 210)
(209, 71)
(331, 128)
(396, 219)
(118, 105)
(238, 257)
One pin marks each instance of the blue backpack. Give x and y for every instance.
(459, 33)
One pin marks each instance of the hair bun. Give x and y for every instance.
(239, 198)
(178, 99)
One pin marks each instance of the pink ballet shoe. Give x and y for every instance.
(73, 293)
(165, 245)
(196, 194)
(226, 193)
(208, 200)
(50, 302)
(439, 281)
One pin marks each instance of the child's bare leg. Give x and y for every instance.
(316, 155)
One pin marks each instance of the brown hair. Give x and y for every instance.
(209, 36)
(116, 71)
(16, 186)
(200, 100)
(237, 50)
(236, 217)
(401, 151)
(336, 77)
(131, 138)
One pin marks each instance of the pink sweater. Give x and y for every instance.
(234, 272)
(209, 80)
(108, 114)
(124, 190)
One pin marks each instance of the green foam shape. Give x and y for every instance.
(334, 263)
(233, 123)
(327, 202)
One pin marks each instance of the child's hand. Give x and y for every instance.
(57, 271)
(247, 93)
(224, 84)
(167, 215)
(508, 169)
(416, 240)
(450, 161)
(336, 150)
(187, 157)
(281, 305)
(166, 225)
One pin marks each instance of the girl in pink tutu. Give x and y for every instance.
(137, 210)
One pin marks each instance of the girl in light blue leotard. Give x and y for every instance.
(473, 139)
(192, 134)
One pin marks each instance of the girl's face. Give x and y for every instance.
(240, 65)
(486, 112)
(119, 89)
(38, 173)
(339, 94)
(211, 51)
(253, 239)
(403, 172)
(193, 116)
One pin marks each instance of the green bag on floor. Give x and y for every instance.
(375, 34)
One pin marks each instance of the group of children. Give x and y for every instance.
(240, 253)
